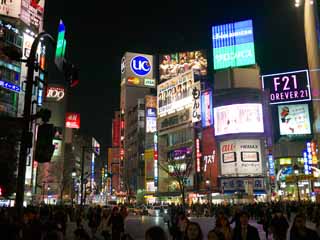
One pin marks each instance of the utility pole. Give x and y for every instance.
(26, 141)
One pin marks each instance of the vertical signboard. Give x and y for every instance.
(116, 133)
(196, 108)
(233, 45)
(206, 108)
(61, 46)
(72, 120)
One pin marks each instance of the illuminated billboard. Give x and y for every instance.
(116, 132)
(233, 45)
(175, 94)
(151, 120)
(206, 108)
(72, 120)
(196, 108)
(238, 118)
(287, 87)
(180, 154)
(137, 70)
(171, 65)
(294, 119)
(241, 157)
(55, 93)
(10, 8)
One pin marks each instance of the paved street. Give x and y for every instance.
(137, 225)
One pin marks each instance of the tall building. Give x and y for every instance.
(137, 81)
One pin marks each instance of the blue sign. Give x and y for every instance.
(140, 65)
(151, 112)
(9, 86)
(271, 165)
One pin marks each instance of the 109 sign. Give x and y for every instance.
(288, 87)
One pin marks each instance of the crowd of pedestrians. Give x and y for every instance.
(231, 222)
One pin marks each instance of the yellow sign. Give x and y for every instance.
(285, 161)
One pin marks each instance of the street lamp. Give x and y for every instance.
(296, 173)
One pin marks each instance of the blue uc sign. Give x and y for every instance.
(140, 65)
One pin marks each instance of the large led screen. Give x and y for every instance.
(238, 118)
(294, 119)
(287, 87)
(175, 94)
(233, 45)
(241, 157)
(171, 65)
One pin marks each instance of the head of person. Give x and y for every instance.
(155, 233)
(299, 221)
(115, 211)
(212, 235)
(222, 221)
(244, 218)
(193, 231)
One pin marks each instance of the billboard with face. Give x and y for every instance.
(171, 65)
(175, 94)
(294, 119)
(137, 70)
(233, 45)
(238, 118)
(241, 157)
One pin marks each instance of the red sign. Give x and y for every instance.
(72, 120)
(210, 157)
(116, 133)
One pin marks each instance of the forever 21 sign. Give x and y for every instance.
(287, 87)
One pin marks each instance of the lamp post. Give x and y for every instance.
(296, 173)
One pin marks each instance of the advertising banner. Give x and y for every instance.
(206, 109)
(55, 93)
(116, 132)
(151, 101)
(151, 120)
(149, 163)
(238, 118)
(173, 120)
(172, 65)
(180, 154)
(175, 94)
(32, 12)
(294, 119)
(210, 157)
(241, 157)
(10, 8)
(233, 45)
(239, 184)
(72, 120)
(196, 108)
(287, 87)
(137, 70)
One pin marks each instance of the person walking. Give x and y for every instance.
(104, 228)
(245, 231)
(117, 224)
(279, 225)
(299, 231)
(223, 227)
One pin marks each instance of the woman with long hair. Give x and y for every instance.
(193, 232)
(299, 231)
(223, 227)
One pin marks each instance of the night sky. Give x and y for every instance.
(98, 35)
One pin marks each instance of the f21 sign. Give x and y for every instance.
(288, 87)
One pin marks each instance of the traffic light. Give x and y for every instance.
(44, 146)
(71, 73)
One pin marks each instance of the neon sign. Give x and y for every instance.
(198, 154)
(287, 87)
(10, 86)
(206, 109)
(140, 65)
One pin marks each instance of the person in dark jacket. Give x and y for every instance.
(117, 224)
(245, 231)
(299, 231)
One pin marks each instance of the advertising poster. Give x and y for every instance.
(151, 101)
(294, 119)
(241, 157)
(233, 45)
(10, 8)
(196, 106)
(238, 118)
(206, 109)
(72, 120)
(32, 12)
(287, 87)
(149, 163)
(210, 157)
(151, 120)
(137, 70)
(116, 132)
(175, 94)
(172, 65)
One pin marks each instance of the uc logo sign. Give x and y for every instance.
(140, 65)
